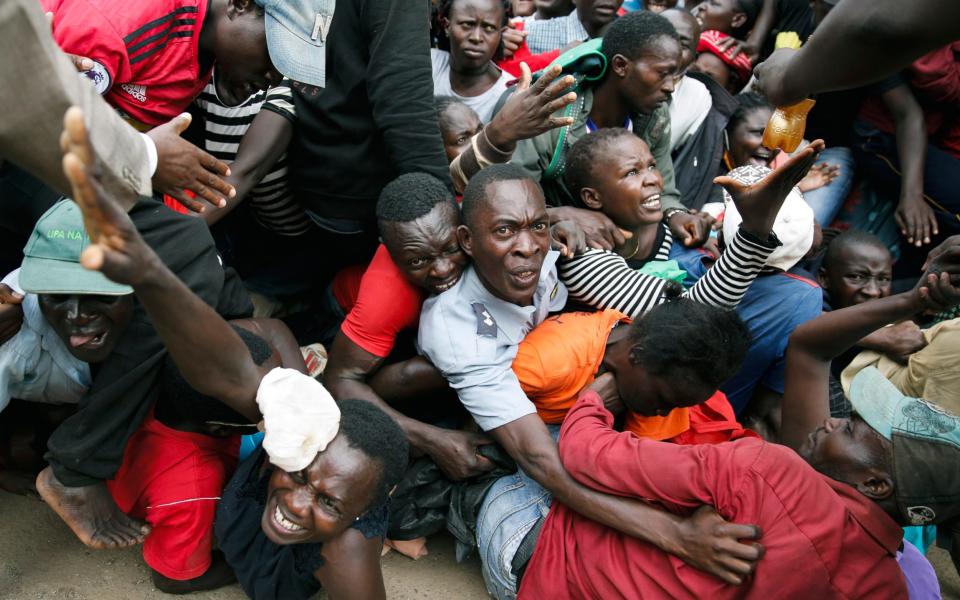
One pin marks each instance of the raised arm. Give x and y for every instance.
(859, 42)
(210, 355)
(528, 112)
(816, 343)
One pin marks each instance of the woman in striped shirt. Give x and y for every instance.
(613, 171)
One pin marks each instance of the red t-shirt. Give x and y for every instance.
(386, 304)
(823, 539)
(146, 52)
(534, 61)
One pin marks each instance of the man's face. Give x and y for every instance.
(509, 239)
(89, 326)
(323, 500)
(648, 81)
(859, 273)
(628, 184)
(843, 448)
(426, 249)
(720, 15)
(474, 28)
(523, 8)
(746, 139)
(688, 30)
(458, 124)
(598, 13)
(240, 48)
(554, 8)
(653, 396)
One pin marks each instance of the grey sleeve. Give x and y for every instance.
(40, 84)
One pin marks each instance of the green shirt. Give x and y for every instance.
(535, 155)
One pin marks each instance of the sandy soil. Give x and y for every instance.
(40, 559)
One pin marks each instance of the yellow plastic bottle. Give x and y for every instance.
(786, 126)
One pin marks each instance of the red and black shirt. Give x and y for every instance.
(145, 53)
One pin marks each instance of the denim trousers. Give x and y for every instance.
(512, 507)
(827, 201)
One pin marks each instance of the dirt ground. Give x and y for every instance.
(40, 559)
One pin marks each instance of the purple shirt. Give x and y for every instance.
(921, 579)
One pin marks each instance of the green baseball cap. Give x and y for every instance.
(51, 258)
(926, 447)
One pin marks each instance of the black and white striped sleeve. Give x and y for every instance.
(603, 279)
(727, 281)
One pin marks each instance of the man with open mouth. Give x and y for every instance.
(315, 515)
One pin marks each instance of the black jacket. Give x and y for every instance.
(697, 161)
(375, 119)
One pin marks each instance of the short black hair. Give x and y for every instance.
(687, 341)
(376, 434)
(747, 102)
(633, 33)
(442, 103)
(475, 194)
(584, 154)
(751, 8)
(852, 237)
(409, 197)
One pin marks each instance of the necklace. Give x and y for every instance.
(635, 250)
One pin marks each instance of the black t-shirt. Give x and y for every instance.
(89, 445)
(265, 570)
(374, 119)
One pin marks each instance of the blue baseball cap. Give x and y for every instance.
(297, 33)
(926, 447)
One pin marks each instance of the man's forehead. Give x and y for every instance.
(512, 198)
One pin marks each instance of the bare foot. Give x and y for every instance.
(91, 513)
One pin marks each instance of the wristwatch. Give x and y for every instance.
(671, 212)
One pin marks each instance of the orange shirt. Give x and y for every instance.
(561, 357)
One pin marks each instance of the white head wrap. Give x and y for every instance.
(300, 418)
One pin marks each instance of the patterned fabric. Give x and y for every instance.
(553, 34)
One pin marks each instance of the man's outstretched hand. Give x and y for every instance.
(759, 203)
(530, 110)
(116, 248)
(182, 166)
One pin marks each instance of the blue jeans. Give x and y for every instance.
(511, 508)
(827, 201)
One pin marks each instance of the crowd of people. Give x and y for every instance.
(290, 281)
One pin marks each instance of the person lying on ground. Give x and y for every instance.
(643, 54)
(613, 172)
(471, 332)
(837, 501)
(329, 471)
(77, 318)
(88, 447)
